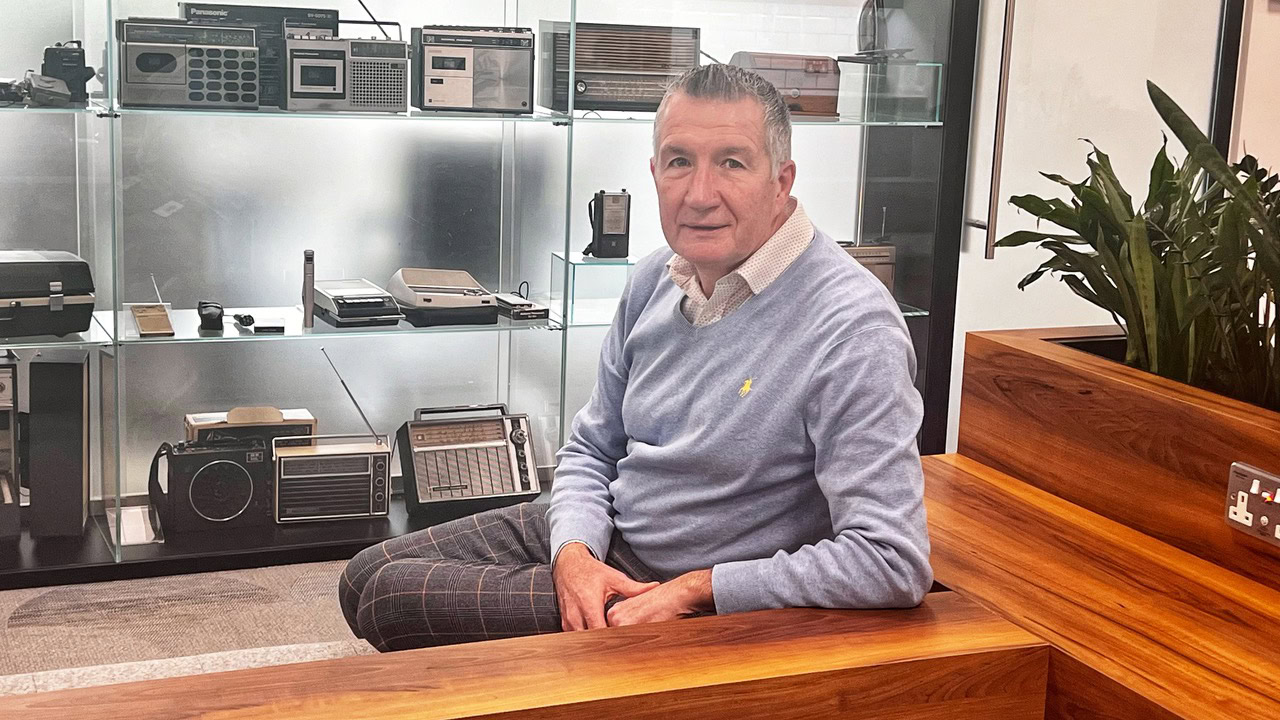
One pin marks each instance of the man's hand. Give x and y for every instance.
(688, 594)
(584, 585)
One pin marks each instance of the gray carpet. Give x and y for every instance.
(82, 635)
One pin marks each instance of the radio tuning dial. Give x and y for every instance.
(581, 87)
(519, 436)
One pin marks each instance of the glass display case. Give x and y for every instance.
(193, 182)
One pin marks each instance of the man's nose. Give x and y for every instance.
(702, 190)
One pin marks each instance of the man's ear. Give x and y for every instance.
(653, 168)
(786, 179)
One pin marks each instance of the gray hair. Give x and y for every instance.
(731, 83)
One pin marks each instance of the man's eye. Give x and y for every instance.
(734, 164)
(679, 162)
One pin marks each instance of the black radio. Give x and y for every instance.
(219, 483)
(65, 61)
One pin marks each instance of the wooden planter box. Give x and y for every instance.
(1144, 451)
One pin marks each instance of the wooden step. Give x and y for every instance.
(948, 658)
(1177, 635)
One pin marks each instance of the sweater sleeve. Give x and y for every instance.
(862, 415)
(581, 503)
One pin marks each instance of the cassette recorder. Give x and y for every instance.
(172, 63)
(473, 68)
(454, 466)
(339, 75)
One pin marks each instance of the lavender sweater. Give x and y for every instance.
(776, 446)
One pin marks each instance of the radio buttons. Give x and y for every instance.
(195, 63)
(249, 98)
(214, 52)
(231, 86)
(246, 65)
(247, 54)
(214, 74)
(231, 53)
(195, 85)
(231, 65)
(232, 97)
(195, 52)
(248, 76)
(215, 86)
(196, 74)
(231, 75)
(214, 97)
(215, 64)
(196, 97)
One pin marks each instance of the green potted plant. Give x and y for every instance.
(1190, 276)
(1148, 437)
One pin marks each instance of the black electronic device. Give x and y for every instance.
(263, 423)
(44, 292)
(616, 67)
(65, 61)
(270, 25)
(610, 215)
(45, 91)
(221, 483)
(460, 68)
(210, 316)
(56, 451)
(176, 64)
(517, 307)
(454, 466)
(10, 499)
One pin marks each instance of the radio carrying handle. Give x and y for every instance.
(421, 413)
(379, 24)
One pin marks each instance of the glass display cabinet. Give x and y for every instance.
(192, 182)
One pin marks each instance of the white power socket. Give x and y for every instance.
(1253, 502)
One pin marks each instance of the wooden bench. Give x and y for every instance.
(949, 659)
(1145, 629)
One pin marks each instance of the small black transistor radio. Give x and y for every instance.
(610, 214)
(65, 61)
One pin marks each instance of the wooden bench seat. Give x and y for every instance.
(1179, 636)
(949, 658)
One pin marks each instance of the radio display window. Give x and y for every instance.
(319, 76)
(462, 433)
(378, 49)
(448, 63)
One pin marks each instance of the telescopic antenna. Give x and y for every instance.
(157, 287)
(377, 438)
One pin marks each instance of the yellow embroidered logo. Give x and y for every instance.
(746, 387)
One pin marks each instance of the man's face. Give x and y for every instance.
(718, 198)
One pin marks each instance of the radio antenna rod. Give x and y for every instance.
(157, 287)
(375, 20)
(377, 438)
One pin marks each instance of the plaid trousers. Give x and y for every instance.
(481, 577)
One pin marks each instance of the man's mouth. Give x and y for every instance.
(705, 227)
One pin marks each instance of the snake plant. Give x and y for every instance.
(1190, 275)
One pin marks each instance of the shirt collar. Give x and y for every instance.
(765, 264)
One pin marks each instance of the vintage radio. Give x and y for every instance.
(263, 423)
(65, 61)
(44, 292)
(270, 24)
(354, 303)
(172, 63)
(10, 515)
(332, 478)
(810, 84)
(456, 466)
(220, 483)
(333, 75)
(616, 67)
(473, 68)
(56, 446)
(879, 259)
(610, 214)
(442, 297)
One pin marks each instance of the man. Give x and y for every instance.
(750, 442)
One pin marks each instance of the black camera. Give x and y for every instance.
(220, 483)
(65, 62)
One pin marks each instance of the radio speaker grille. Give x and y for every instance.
(464, 473)
(630, 49)
(333, 496)
(377, 83)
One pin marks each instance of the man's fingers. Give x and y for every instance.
(630, 588)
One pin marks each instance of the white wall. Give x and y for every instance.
(1079, 71)
(1258, 88)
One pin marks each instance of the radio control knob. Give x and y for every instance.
(380, 465)
(519, 436)
(377, 497)
(581, 87)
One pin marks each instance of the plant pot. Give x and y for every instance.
(1047, 407)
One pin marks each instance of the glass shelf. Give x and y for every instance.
(186, 326)
(594, 286)
(91, 108)
(910, 311)
(97, 335)
(593, 116)
(539, 116)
